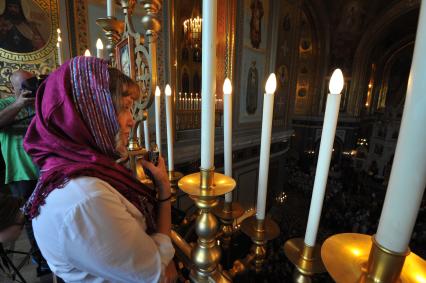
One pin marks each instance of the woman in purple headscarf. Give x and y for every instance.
(93, 221)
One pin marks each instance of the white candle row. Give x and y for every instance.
(193, 102)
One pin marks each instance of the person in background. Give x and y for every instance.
(21, 174)
(92, 219)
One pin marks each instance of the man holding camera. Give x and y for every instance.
(16, 113)
(21, 175)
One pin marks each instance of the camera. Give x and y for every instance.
(32, 84)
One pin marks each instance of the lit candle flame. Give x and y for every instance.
(227, 86)
(168, 90)
(271, 84)
(336, 82)
(87, 53)
(157, 91)
(99, 44)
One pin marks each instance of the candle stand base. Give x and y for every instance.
(301, 278)
(260, 232)
(306, 259)
(204, 187)
(227, 212)
(351, 257)
(174, 178)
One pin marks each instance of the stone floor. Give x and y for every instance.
(28, 271)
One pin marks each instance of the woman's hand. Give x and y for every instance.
(160, 176)
(170, 273)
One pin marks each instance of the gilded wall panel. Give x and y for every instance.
(27, 38)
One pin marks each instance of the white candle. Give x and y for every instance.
(87, 53)
(324, 156)
(227, 131)
(146, 133)
(168, 97)
(99, 49)
(158, 118)
(265, 145)
(408, 176)
(110, 8)
(208, 83)
(59, 47)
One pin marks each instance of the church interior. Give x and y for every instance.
(193, 50)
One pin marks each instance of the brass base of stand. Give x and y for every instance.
(306, 259)
(205, 186)
(354, 257)
(228, 211)
(220, 185)
(301, 278)
(260, 232)
(250, 227)
(174, 177)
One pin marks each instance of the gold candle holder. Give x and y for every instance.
(112, 28)
(260, 232)
(359, 258)
(204, 187)
(306, 259)
(227, 212)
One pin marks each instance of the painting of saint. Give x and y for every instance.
(125, 61)
(256, 8)
(24, 26)
(252, 88)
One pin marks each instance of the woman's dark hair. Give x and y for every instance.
(118, 85)
(9, 210)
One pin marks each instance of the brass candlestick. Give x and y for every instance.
(112, 28)
(306, 259)
(204, 187)
(260, 232)
(351, 257)
(227, 212)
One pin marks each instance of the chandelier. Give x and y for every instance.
(192, 28)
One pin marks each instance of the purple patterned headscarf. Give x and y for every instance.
(73, 134)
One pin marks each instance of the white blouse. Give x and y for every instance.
(88, 232)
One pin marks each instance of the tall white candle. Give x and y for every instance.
(99, 49)
(59, 47)
(227, 131)
(324, 156)
(87, 53)
(407, 180)
(265, 145)
(208, 84)
(110, 8)
(168, 97)
(158, 118)
(146, 133)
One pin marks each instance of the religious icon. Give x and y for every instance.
(23, 26)
(125, 57)
(256, 7)
(252, 88)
